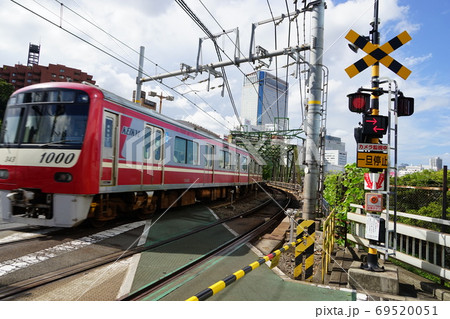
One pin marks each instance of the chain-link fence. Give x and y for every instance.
(424, 201)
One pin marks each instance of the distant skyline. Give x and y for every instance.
(170, 38)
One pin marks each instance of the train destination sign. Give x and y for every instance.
(372, 155)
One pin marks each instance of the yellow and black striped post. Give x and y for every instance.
(306, 231)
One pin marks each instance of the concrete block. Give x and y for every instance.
(385, 282)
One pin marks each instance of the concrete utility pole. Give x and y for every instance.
(313, 113)
(138, 79)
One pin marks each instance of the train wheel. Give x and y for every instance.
(96, 223)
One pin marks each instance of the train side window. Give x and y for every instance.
(158, 144)
(209, 156)
(179, 152)
(225, 160)
(238, 162)
(192, 153)
(185, 151)
(244, 164)
(147, 141)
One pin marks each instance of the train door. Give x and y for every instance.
(153, 156)
(158, 156)
(109, 149)
(208, 171)
(237, 167)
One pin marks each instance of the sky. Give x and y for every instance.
(116, 29)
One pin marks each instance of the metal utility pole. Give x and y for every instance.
(313, 113)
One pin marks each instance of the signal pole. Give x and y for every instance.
(370, 152)
(313, 113)
(372, 255)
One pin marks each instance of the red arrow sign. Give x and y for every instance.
(380, 181)
(373, 121)
(376, 129)
(368, 181)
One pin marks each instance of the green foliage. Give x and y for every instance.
(341, 190)
(345, 188)
(6, 89)
(426, 178)
(424, 202)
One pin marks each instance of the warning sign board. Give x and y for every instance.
(372, 160)
(372, 226)
(374, 202)
(374, 181)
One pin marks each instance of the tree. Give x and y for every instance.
(6, 89)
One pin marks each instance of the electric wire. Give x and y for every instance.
(135, 51)
(194, 17)
(126, 63)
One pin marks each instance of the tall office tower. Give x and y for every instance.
(265, 102)
(335, 154)
(436, 163)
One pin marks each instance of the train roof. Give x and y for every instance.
(134, 106)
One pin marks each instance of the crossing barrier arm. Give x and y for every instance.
(225, 282)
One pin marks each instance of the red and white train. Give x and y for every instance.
(71, 152)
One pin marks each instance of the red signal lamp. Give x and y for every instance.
(359, 102)
(405, 105)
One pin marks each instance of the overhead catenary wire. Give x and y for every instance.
(116, 57)
(193, 16)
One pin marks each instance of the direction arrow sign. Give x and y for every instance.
(375, 125)
(374, 181)
(377, 53)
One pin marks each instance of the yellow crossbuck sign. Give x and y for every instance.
(377, 53)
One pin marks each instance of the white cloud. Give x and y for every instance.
(170, 37)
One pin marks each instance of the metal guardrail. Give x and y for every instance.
(420, 247)
(291, 186)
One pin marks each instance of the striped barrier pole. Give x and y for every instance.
(306, 233)
(225, 282)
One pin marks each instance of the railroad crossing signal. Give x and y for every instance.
(359, 102)
(377, 53)
(375, 125)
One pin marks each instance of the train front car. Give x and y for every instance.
(44, 179)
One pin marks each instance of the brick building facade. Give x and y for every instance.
(22, 75)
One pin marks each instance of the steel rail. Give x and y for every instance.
(8, 292)
(224, 249)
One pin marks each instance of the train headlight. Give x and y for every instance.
(4, 174)
(63, 177)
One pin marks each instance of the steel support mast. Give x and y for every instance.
(313, 113)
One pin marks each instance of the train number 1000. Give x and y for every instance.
(57, 158)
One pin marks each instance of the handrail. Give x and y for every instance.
(420, 247)
(328, 242)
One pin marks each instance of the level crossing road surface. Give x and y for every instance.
(125, 276)
(258, 285)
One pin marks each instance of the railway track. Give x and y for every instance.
(224, 249)
(15, 290)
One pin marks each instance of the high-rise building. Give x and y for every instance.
(335, 154)
(265, 102)
(436, 163)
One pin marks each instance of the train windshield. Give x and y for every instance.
(46, 118)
